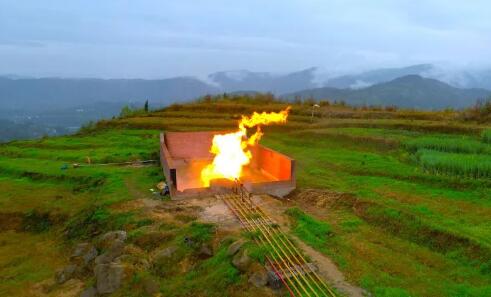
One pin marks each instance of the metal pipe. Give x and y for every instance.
(232, 201)
(287, 266)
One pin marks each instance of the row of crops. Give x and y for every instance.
(451, 144)
(468, 165)
(465, 156)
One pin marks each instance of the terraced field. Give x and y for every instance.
(403, 197)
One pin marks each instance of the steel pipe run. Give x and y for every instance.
(281, 254)
(304, 281)
(260, 241)
(275, 249)
(331, 292)
(293, 251)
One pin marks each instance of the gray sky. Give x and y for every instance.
(155, 39)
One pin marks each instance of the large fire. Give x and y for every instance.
(232, 150)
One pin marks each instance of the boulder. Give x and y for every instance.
(164, 262)
(241, 260)
(107, 239)
(114, 235)
(235, 247)
(83, 253)
(165, 253)
(259, 278)
(109, 277)
(65, 274)
(89, 292)
(114, 251)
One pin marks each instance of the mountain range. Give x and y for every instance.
(55, 93)
(418, 86)
(410, 91)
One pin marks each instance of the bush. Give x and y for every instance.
(128, 111)
(480, 112)
(87, 127)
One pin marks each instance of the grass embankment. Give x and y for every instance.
(407, 225)
(405, 228)
(47, 203)
(47, 206)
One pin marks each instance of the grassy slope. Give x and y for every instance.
(36, 191)
(382, 239)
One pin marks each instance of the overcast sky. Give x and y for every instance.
(156, 39)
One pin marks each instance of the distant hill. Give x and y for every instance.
(55, 93)
(381, 86)
(372, 77)
(232, 81)
(412, 91)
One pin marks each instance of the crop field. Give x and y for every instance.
(399, 200)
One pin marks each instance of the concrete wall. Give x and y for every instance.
(189, 145)
(275, 164)
(180, 151)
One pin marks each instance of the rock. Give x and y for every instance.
(83, 253)
(89, 292)
(150, 286)
(164, 262)
(235, 247)
(114, 235)
(106, 240)
(112, 253)
(165, 253)
(274, 281)
(108, 277)
(241, 260)
(65, 274)
(259, 278)
(205, 251)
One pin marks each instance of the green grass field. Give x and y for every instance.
(414, 217)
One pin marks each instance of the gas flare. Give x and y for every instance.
(231, 150)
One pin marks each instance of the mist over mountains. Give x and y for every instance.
(57, 105)
(43, 94)
(410, 91)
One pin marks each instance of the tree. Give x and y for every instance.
(145, 108)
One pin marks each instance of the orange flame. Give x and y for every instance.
(231, 150)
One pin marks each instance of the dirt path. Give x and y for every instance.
(327, 269)
(330, 271)
(213, 210)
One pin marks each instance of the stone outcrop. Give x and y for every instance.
(241, 260)
(235, 247)
(109, 277)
